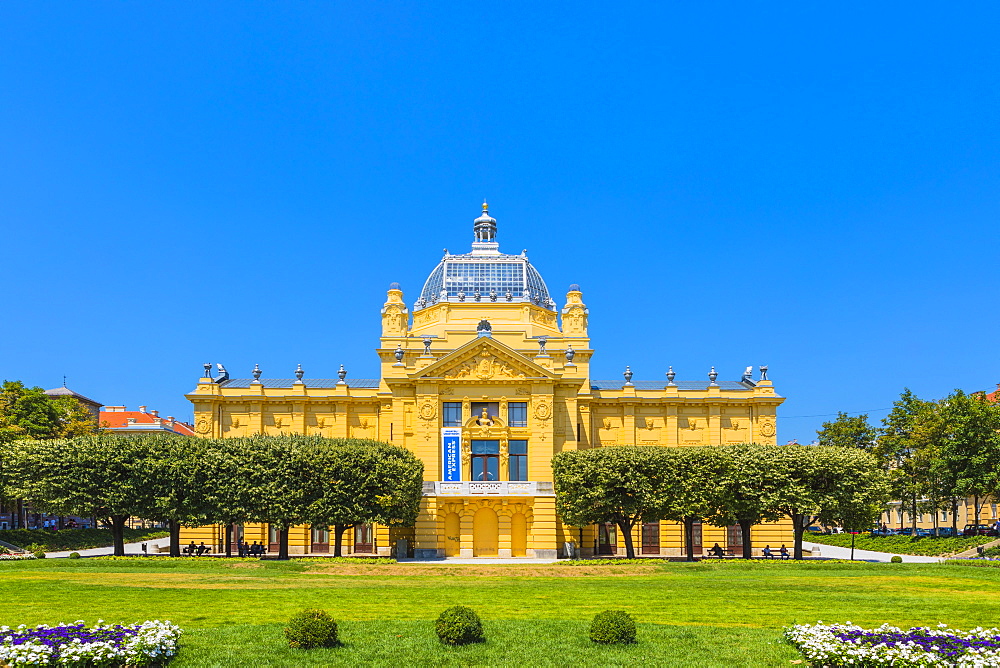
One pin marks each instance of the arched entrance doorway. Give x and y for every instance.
(452, 535)
(485, 533)
(518, 535)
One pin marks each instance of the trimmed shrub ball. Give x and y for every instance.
(312, 628)
(896, 559)
(39, 555)
(613, 627)
(74, 555)
(459, 625)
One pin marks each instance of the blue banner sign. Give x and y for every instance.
(451, 448)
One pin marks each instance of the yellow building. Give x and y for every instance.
(485, 381)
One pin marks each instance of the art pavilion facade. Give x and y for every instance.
(485, 380)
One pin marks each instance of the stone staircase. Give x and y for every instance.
(12, 548)
(974, 552)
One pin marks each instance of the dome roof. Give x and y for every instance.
(485, 274)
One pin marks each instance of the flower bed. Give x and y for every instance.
(850, 645)
(145, 644)
(11, 556)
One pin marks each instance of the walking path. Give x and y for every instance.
(130, 549)
(835, 552)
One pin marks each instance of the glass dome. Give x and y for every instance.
(485, 274)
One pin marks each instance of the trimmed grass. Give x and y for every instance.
(930, 546)
(509, 643)
(46, 540)
(704, 614)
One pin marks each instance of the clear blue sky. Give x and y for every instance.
(811, 186)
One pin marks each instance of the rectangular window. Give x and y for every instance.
(485, 460)
(944, 515)
(517, 414)
(452, 414)
(518, 460)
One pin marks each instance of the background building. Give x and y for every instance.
(120, 419)
(93, 407)
(485, 381)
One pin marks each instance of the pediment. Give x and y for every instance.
(484, 359)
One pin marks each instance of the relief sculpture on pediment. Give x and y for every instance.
(484, 367)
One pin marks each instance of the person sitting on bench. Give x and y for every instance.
(716, 551)
(784, 551)
(768, 554)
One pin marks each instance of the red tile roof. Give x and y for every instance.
(120, 420)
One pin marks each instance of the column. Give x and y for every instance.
(504, 526)
(427, 536)
(466, 549)
(543, 528)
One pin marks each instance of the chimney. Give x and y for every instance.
(155, 413)
(170, 419)
(142, 409)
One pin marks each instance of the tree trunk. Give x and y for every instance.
(229, 539)
(627, 537)
(689, 536)
(745, 530)
(283, 544)
(954, 514)
(175, 538)
(913, 516)
(338, 539)
(799, 522)
(976, 508)
(118, 533)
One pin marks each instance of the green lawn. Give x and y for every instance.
(719, 614)
(926, 545)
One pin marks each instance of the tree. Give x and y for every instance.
(849, 432)
(831, 484)
(907, 431)
(364, 481)
(622, 485)
(177, 482)
(93, 476)
(279, 471)
(970, 447)
(687, 478)
(29, 413)
(339, 483)
(746, 489)
(232, 467)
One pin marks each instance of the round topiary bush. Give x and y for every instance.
(74, 555)
(312, 628)
(39, 555)
(613, 627)
(459, 625)
(896, 559)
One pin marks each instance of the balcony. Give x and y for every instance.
(498, 488)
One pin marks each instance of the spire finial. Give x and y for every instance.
(486, 207)
(64, 381)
